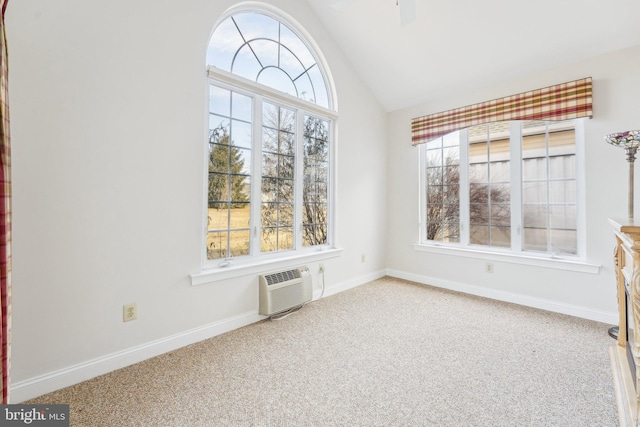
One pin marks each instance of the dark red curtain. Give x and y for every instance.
(5, 213)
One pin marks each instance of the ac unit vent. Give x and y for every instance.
(284, 290)
(282, 276)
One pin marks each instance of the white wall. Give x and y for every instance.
(108, 116)
(616, 89)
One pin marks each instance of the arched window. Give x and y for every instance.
(270, 145)
(264, 50)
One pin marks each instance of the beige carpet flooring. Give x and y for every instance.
(388, 353)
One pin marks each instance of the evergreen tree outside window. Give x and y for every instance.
(229, 180)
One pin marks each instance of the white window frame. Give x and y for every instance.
(514, 254)
(219, 269)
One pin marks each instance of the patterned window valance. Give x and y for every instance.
(560, 102)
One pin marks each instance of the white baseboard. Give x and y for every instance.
(75, 374)
(43, 384)
(343, 286)
(543, 304)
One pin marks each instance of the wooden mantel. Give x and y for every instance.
(625, 356)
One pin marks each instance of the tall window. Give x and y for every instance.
(316, 181)
(443, 189)
(229, 183)
(278, 185)
(549, 187)
(503, 186)
(270, 141)
(489, 185)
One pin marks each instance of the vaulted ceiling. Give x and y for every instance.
(461, 44)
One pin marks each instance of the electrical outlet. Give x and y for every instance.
(130, 312)
(321, 268)
(488, 267)
(363, 258)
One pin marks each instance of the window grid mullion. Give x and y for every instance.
(464, 187)
(298, 176)
(489, 197)
(256, 177)
(548, 177)
(228, 178)
(422, 197)
(443, 186)
(580, 188)
(517, 186)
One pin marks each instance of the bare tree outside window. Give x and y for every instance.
(443, 189)
(489, 188)
(443, 202)
(315, 192)
(443, 219)
(278, 173)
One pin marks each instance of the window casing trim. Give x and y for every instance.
(522, 258)
(262, 264)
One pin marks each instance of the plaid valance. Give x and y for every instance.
(560, 102)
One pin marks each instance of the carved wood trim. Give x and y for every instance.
(618, 260)
(635, 303)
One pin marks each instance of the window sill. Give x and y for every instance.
(536, 261)
(223, 273)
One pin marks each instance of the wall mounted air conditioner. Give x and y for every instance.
(283, 290)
